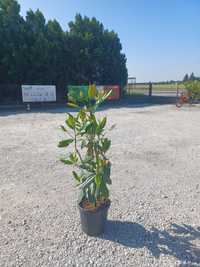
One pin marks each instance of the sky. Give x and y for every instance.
(160, 38)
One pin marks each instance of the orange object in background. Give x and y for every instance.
(115, 95)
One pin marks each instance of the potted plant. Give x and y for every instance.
(86, 135)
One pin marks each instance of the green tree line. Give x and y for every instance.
(33, 50)
(190, 77)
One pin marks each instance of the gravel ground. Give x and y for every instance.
(154, 219)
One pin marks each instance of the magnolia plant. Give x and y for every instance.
(86, 135)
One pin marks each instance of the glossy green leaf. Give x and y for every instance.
(70, 104)
(103, 123)
(65, 143)
(92, 91)
(76, 176)
(73, 157)
(70, 121)
(98, 180)
(66, 161)
(106, 143)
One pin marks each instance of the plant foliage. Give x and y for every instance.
(87, 136)
(193, 89)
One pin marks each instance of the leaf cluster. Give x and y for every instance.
(89, 146)
(193, 88)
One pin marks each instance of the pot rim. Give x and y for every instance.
(106, 206)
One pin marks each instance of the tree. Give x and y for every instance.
(35, 51)
(97, 53)
(185, 78)
(11, 42)
(59, 56)
(192, 77)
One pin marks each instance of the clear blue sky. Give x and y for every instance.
(161, 38)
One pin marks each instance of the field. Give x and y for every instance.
(154, 216)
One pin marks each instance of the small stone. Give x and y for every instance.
(78, 249)
(141, 253)
(27, 227)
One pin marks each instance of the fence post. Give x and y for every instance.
(150, 89)
(177, 91)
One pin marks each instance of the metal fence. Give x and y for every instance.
(153, 89)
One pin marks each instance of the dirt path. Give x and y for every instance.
(154, 217)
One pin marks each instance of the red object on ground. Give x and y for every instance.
(115, 95)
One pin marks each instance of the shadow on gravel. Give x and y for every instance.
(128, 102)
(178, 241)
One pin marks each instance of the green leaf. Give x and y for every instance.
(90, 196)
(66, 161)
(87, 182)
(92, 91)
(70, 121)
(82, 114)
(106, 143)
(63, 128)
(65, 143)
(103, 122)
(83, 144)
(104, 190)
(93, 118)
(101, 126)
(89, 127)
(106, 173)
(76, 176)
(102, 98)
(70, 104)
(82, 195)
(73, 157)
(106, 95)
(98, 180)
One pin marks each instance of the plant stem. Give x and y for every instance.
(75, 146)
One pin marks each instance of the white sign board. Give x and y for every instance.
(38, 93)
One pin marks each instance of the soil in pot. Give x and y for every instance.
(93, 219)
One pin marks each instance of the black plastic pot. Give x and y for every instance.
(93, 222)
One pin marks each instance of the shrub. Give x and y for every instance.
(193, 88)
(87, 137)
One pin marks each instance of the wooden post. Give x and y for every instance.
(177, 93)
(150, 89)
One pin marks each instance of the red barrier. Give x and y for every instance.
(115, 95)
